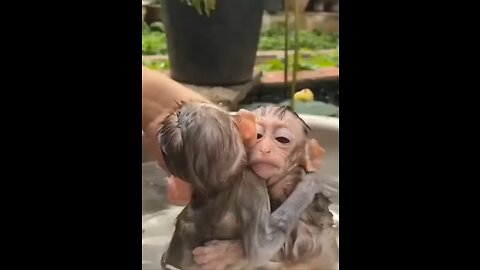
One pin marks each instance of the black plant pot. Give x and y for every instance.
(216, 50)
(273, 6)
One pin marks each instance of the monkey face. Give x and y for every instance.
(277, 140)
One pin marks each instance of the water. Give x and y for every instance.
(154, 189)
(158, 216)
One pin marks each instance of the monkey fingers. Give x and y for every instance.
(218, 254)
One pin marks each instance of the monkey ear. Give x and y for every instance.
(247, 125)
(179, 192)
(315, 154)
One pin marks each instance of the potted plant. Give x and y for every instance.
(212, 42)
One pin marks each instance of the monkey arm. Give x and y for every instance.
(218, 253)
(330, 188)
(267, 232)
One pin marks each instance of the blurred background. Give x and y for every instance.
(234, 52)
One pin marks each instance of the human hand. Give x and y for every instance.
(160, 95)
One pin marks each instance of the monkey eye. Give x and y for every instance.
(282, 139)
(283, 136)
(260, 132)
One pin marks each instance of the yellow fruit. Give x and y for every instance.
(304, 95)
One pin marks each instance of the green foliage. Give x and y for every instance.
(314, 62)
(272, 65)
(154, 43)
(153, 40)
(321, 60)
(207, 5)
(162, 65)
(274, 39)
(145, 28)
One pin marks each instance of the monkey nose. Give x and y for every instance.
(266, 151)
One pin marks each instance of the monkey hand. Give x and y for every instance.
(312, 181)
(218, 254)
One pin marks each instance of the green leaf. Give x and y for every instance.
(316, 61)
(322, 61)
(154, 42)
(145, 28)
(209, 5)
(161, 65)
(207, 8)
(272, 65)
(198, 6)
(274, 39)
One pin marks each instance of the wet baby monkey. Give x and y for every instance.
(279, 155)
(203, 145)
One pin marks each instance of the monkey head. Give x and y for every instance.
(280, 141)
(201, 144)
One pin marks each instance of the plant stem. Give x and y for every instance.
(295, 54)
(285, 69)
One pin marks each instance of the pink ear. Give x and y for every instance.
(316, 154)
(179, 192)
(247, 127)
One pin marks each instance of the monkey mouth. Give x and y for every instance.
(264, 169)
(265, 165)
(261, 162)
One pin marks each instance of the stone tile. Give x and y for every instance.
(154, 57)
(277, 77)
(263, 56)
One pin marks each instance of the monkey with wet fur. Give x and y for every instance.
(312, 245)
(202, 145)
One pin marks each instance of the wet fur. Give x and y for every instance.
(312, 244)
(229, 201)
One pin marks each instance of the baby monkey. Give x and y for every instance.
(202, 145)
(279, 154)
